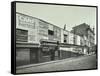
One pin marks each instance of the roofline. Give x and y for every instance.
(46, 22)
(85, 25)
(41, 20)
(91, 30)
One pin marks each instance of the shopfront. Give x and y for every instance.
(26, 54)
(50, 50)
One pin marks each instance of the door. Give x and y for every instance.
(33, 55)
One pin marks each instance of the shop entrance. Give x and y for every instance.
(33, 55)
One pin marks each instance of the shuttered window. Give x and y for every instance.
(21, 35)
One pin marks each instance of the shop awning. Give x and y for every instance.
(26, 45)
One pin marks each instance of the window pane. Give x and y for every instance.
(50, 32)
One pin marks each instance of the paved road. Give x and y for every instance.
(83, 62)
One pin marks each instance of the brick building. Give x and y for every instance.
(84, 31)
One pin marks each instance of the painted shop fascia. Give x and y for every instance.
(39, 41)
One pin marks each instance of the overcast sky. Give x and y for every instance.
(60, 15)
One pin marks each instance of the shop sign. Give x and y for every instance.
(45, 49)
(27, 22)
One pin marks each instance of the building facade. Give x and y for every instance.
(35, 39)
(39, 41)
(85, 32)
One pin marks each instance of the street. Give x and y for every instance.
(82, 62)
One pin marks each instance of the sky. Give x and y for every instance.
(60, 15)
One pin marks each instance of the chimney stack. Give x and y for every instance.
(93, 29)
(65, 27)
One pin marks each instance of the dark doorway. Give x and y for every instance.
(52, 54)
(33, 55)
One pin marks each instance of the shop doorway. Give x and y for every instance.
(33, 55)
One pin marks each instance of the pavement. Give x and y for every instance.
(77, 63)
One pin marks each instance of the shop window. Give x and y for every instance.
(21, 35)
(45, 51)
(56, 53)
